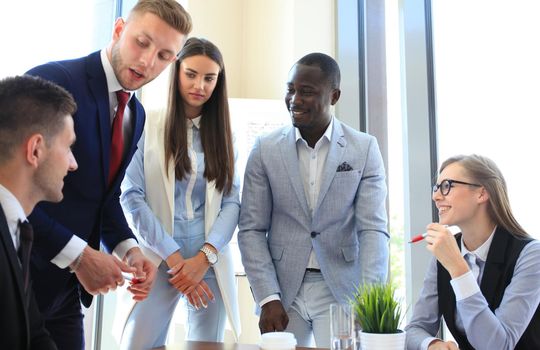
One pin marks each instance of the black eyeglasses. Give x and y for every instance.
(447, 184)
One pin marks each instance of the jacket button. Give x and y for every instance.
(313, 234)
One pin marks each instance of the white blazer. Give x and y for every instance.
(160, 198)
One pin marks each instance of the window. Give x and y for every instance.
(486, 84)
(35, 32)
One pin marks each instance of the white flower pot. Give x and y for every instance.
(392, 341)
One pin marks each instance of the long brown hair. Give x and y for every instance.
(485, 172)
(216, 134)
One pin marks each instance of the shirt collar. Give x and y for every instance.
(196, 122)
(327, 134)
(482, 251)
(12, 209)
(113, 84)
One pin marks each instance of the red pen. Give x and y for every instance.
(453, 229)
(131, 278)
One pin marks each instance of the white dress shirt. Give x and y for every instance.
(14, 213)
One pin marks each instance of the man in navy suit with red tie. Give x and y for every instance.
(36, 135)
(108, 123)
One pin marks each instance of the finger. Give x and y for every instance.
(139, 288)
(137, 294)
(187, 288)
(149, 270)
(174, 270)
(207, 290)
(190, 300)
(176, 282)
(279, 327)
(265, 328)
(123, 266)
(195, 301)
(202, 296)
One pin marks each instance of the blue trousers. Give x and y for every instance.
(148, 323)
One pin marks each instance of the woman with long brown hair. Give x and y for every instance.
(181, 195)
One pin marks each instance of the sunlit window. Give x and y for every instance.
(486, 73)
(35, 31)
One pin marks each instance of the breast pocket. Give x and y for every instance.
(345, 185)
(351, 174)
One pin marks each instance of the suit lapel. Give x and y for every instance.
(137, 119)
(335, 155)
(97, 84)
(161, 196)
(290, 159)
(14, 264)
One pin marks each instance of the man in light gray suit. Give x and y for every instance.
(313, 221)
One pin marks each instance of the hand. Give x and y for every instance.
(273, 317)
(200, 296)
(442, 345)
(174, 259)
(144, 275)
(442, 244)
(189, 273)
(99, 272)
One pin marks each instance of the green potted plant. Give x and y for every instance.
(378, 314)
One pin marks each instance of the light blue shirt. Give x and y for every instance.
(484, 329)
(190, 194)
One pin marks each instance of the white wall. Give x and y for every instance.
(261, 39)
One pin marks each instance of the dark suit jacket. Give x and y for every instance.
(21, 325)
(90, 208)
(498, 273)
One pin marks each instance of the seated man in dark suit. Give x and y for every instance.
(36, 135)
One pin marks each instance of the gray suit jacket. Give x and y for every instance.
(348, 230)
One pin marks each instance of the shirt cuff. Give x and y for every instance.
(464, 286)
(426, 342)
(215, 243)
(165, 247)
(268, 299)
(123, 247)
(71, 251)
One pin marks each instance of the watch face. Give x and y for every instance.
(212, 258)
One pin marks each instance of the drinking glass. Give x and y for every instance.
(342, 327)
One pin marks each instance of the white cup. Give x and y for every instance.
(278, 341)
(342, 335)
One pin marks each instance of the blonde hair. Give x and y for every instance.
(485, 172)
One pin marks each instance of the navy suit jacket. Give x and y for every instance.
(90, 208)
(21, 325)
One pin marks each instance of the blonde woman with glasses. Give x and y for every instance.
(485, 281)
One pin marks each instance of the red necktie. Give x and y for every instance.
(117, 138)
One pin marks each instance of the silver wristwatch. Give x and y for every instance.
(210, 255)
